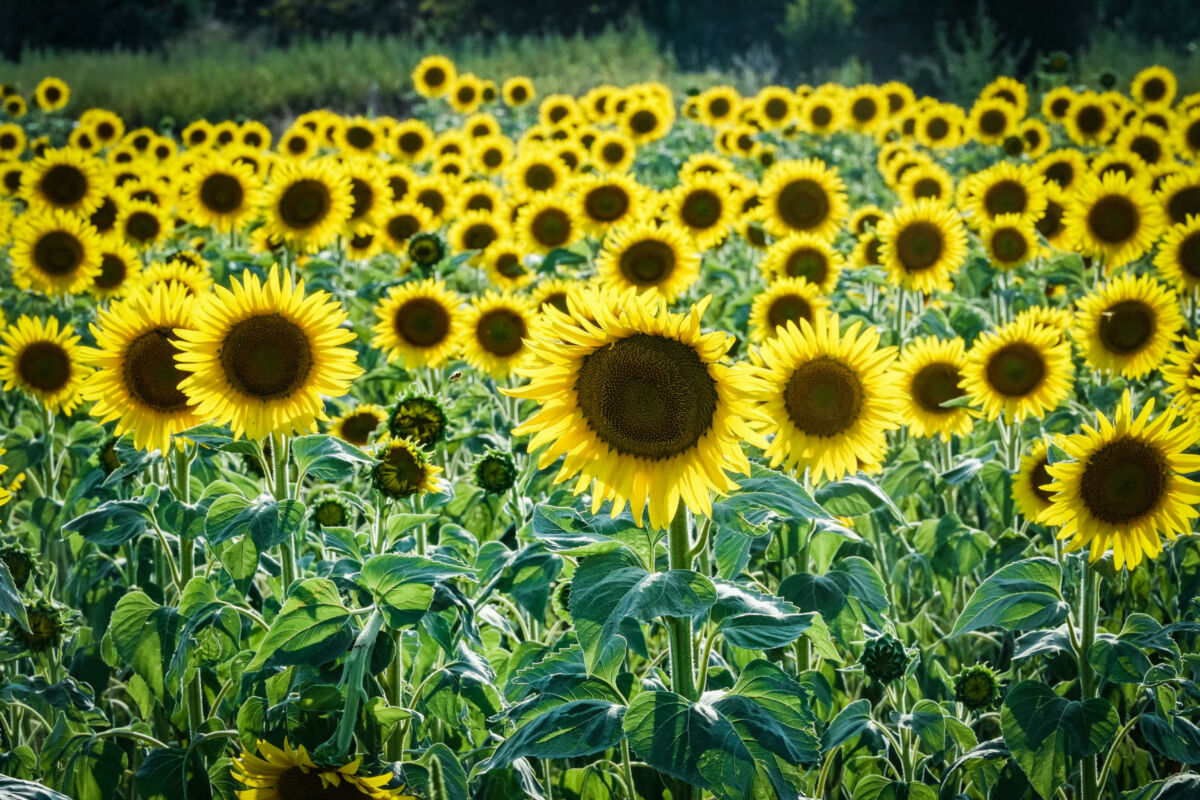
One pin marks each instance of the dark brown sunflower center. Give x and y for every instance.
(936, 384)
(1154, 89)
(492, 158)
(540, 177)
(926, 187)
(432, 199)
(643, 121)
(1183, 204)
(993, 122)
(297, 144)
(64, 185)
(556, 299)
(500, 332)
(44, 366)
(150, 372)
(1009, 245)
(411, 142)
(803, 204)
(1147, 147)
(647, 396)
(113, 270)
(480, 202)
(612, 152)
(1113, 219)
(435, 76)
(518, 94)
(402, 226)
(1126, 327)
(788, 308)
(422, 322)
(8, 141)
(1091, 120)
(937, 128)
(647, 263)
(1038, 478)
(58, 253)
(266, 356)
(551, 227)
(357, 428)
(1015, 370)
(142, 226)
(1123, 481)
(1061, 172)
(776, 108)
(701, 209)
(808, 263)
(465, 94)
(919, 246)
(1005, 197)
(606, 203)
(1191, 135)
(222, 193)
(864, 109)
(1189, 255)
(359, 137)
(362, 197)
(305, 203)
(719, 107)
(478, 236)
(510, 266)
(823, 397)
(295, 784)
(821, 116)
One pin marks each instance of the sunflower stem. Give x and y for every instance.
(1089, 788)
(683, 682)
(287, 557)
(181, 488)
(395, 743)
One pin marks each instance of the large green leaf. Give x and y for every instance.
(1048, 734)
(402, 585)
(565, 530)
(326, 457)
(577, 728)
(771, 492)
(144, 634)
(756, 620)
(312, 627)
(1017, 597)
(113, 523)
(854, 496)
(264, 519)
(10, 600)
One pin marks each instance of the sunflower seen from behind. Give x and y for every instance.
(637, 400)
(922, 245)
(1124, 486)
(419, 323)
(41, 358)
(1019, 370)
(263, 353)
(1127, 325)
(930, 374)
(137, 380)
(661, 260)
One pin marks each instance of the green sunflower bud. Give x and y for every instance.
(884, 658)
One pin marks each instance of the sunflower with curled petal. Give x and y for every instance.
(803, 197)
(1029, 482)
(419, 323)
(1019, 370)
(1113, 217)
(307, 203)
(661, 260)
(1124, 487)
(42, 359)
(929, 372)
(495, 331)
(786, 300)
(828, 395)
(922, 245)
(635, 399)
(263, 353)
(69, 179)
(1178, 259)
(136, 381)
(1127, 325)
(289, 773)
(55, 253)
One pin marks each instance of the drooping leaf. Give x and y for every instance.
(1017, 597)
(577, 728)
(264, 519)
(312, 627)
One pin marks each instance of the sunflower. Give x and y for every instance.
(495, 332)
(1125, 163)
(1008, 90)
(991, 120)
(426, 250)
(660, 260)
(1148, 142)
(864, 218)
(1127, 325)
(419, 323)
(363, 242)
(14, 106)
(548, 222)
(254, 135)
(827, 396)
(12, 140)
(55, 253)
(482, 196)
(120, 270)
(1124, 486)
(262, 355)
(1181, 372)
(358, 425)
(195, 278)
(298, 144)
(411, 140)
(65, 180)
(465, 93)
(1057, 102)
(718, 104)
(1185, 135)
(1028, 492)
(475, 230)
(536, 171)
(1052, 225)
(803, 197)
(399, 222)
(418, 419)
(492, 155)
(866, 107)
(1178, 259)
(1011, 240)
(558, 110)
(433, 76)
(942, 126)
(137, 381)
(1115, 218)
(42, 359)
(504, 262)
(1036, 136)
(1006, 188)
(926, 181)
(1179, 195)
(822, 113)
(1090, 120)
(786, 300)
(358, 136)
(307, 203)
(639, 403)
(403, 469)
(607, 200)
(51, 94)
(705, 207)
(553, 292)
(930, 373)
(142, 223)
(803, 255)
(1154, 86)
(1019, 370)
(289, 774)
(647, 120)
(774, 106)
(922, 245)
(518, 91)
(219, 193)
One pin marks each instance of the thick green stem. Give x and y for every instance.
(279, 485)
(1089, 788)
(181, 487)
(395, 743)
(683, 682)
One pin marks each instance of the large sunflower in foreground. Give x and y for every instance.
(930, 374)
(263, 353)
(828, 397)
(55, 253)
(660, 260)
(635, 400)
(1019, 370)
(137, 381)
(1113, 217)
(922, 245)
(41, 359)
(419, 323)
(803, 197)
(1127, 325)
(307, 203)
(1124, 487)
(290, 774)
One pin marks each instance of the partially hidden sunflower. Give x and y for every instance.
(307, 203)
(828, 397)
(1178, 258)
(922, 245)
(359, 425)
(1022, 369)
(1127, 325)
(137, 380)
(403, 469)
(55, 252)
(637, 400)
(786, 300)
(660, 260)
(419, 323)
(120, 270)
(41, 358)
(288, 773)
(263, 353)
(1124, 486)
(930, 373)
(495, 332)
(1029, 483)
(1113, 217)
(805, 256)
(1181, 371)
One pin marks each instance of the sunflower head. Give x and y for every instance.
(659, 260)
(48, 623)
(1128, 324)
(977, 687)
(922, 245)
(418, 418)
(55, 253)
(359, 425)
(426, 249)
(402, 469)
(1029, 484)
(330, 511)
(884, 659)
(41, 358)
(495, 472)
(1019, 370)
(419, 322)
(19, 561)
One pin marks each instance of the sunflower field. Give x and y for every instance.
(821, 442)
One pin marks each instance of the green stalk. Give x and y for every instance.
(280, 487)
(181, 487)
(395, 743)
(683, 682)
(1089, 788)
